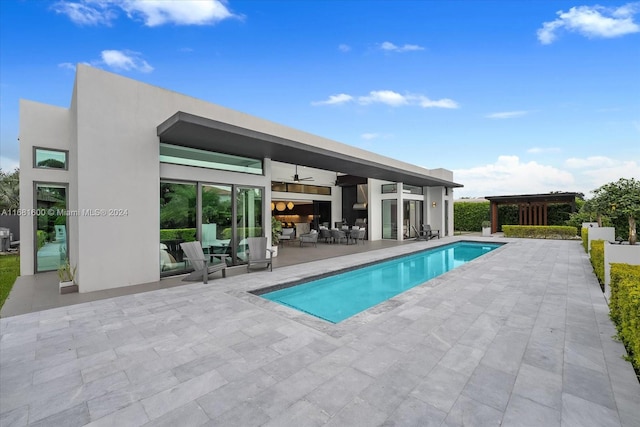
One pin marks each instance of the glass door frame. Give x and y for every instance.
(37, 212)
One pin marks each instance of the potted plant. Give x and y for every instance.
(67, 276)
(486, 228)
(276, 229)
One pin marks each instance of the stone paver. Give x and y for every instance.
(518, 337)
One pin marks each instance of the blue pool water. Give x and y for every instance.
(335, 298)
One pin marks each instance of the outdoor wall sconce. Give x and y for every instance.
(434, 204)
(280, 206)
(290, 205)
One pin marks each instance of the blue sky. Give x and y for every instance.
(516, 97)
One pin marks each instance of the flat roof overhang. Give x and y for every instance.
(207, 134)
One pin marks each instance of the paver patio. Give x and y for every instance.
(518, 337)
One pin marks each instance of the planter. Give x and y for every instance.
(486, 231)
(608, 234)
(618, 254)
(68, 287)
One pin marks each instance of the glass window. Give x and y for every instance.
(249, 214)
(51, 226)
(300, 188)
(49, 159)
(177, 224)
(208, 159)
(389, 188)
(411, 189)
(217, 219)
(390, 219)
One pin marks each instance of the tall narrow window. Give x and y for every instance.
(249, 214)
(51, 226)
(217, 219)
(389, 219)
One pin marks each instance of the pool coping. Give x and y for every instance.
(347, 326)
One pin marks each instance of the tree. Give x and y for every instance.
(9, 190)
(621, 198)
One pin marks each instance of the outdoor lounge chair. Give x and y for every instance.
(257, 254)
(202, 269)
(431, 234)
(311, 237)
(361, 235)
(420, 235)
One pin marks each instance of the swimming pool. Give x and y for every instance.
(340, 296)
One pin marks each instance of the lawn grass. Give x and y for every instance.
(9, 270)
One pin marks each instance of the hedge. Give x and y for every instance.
(468, 216)
(624, 307)
(597, 259)
(540, 231)
(585, 238)
(184, 234)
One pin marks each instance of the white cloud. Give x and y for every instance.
(391, 98)
(509, 175)
(506, 114)
(87, 12)
(388, 97)
(538, 150)
(124, 60)
(151, 12)
(8, 165)
(589, 162)
(67, 65)
(369, 136)
(341, 98)
(344, 48)
(592, 22)
(390, 47)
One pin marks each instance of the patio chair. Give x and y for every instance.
(257, 254)
(361, 234)
(338, 235)
(286, 235)
(420, 235)
(325, 234)
(431, 234)
(202, 269)
(311, 237)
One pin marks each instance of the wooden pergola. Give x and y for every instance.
(532, 208)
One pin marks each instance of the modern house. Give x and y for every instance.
(124, 174)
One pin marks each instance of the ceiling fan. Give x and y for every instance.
(296, 177)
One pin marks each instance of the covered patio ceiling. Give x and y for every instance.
(207, 134)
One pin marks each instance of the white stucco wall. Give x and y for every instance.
(110, 132)
(618, 254)
(44, 126)
(608, 234)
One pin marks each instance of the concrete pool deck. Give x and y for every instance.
(520, 336)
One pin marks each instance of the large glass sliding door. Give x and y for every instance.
(390, 219)
(248, 217)
(51, 226)
(412, 217)
(220, 216)
(217, 219)
(177, 224)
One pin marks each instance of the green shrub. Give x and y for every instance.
(242, 231)
(539, 231)
(468, 216)
(184, 234)
(597, 259)
(624, 307)
(585, 239)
